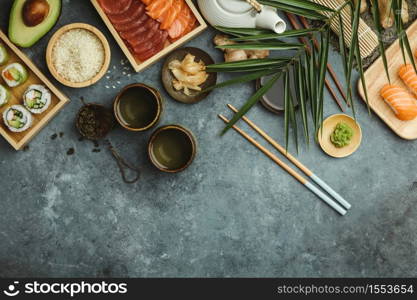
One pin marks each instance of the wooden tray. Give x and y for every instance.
(138, 65)
(58, 100)
(376, 79)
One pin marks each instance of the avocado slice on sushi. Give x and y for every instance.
(14, 74)
(30, 20)
(17, 118)
(4, 55)
(4, 95)
(37, 98)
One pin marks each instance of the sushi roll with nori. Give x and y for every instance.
(17, 118)
(14, 74)
(37, 99)
(4, 95)
(4, 56)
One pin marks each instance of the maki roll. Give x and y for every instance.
(4, 95)
(14, 74)
(37, 98)
(4, 56)
(17, 118)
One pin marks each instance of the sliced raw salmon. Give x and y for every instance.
(112, 7)
(401, 101)
(179, 26)
(409, 76)
(169, 19)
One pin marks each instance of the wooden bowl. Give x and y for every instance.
(328, 127)
(168, 77)
(98, 34)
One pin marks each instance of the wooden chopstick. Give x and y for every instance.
(295, 25)
(293, 173)
(295, 161)
(329, 66)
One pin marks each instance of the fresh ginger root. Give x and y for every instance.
(231, 55)
(387, 16)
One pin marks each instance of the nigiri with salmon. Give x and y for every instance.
(402, 102)
(409, 77)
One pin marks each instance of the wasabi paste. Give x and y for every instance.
(342, 135)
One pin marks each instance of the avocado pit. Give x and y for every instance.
(35, 12)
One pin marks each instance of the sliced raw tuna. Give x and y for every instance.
(127, 27)
(131, 34)
(144, 37)
(134, 12)
(112, 7)
(155, 41)
(151, 52)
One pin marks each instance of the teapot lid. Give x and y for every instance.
(235, 6)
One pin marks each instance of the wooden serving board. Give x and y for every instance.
(58, 100)
(375, 79)
(138, 65)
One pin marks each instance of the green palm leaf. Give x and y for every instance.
(311, 14)
(240, 79)
(377, 23)
(251, 102)
(264, 46)
(304, 4)
(269, 36)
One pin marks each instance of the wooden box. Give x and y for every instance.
(138, 65)
(58, 100)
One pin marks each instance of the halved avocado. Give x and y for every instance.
(26, 36)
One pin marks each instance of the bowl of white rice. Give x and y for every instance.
(78, 55)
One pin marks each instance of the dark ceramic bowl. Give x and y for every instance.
(168, 77)
(152, 148)
(157, 97)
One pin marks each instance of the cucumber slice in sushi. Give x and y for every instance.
(37, 99)
(14, 74)
(4, 95)
(17, 118)
(4, 56)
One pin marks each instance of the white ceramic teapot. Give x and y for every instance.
(239, 13)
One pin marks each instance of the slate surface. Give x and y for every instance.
(232, 213)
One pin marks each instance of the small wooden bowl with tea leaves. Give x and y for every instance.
(171, 81)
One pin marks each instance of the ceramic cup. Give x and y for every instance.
(172, 148)
(138, 107)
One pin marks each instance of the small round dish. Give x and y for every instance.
(54, 39)
(329, 126)
(168, 77)
(273, 100)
